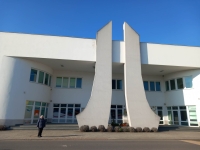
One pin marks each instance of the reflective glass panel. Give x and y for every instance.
(43, 111)
(112, 114)
(119, 113)
(77, 111)
(44, 104)
(70, 113)
(158, 86)
(77, 105)
(62, 112)
(29, 102)
(55, 112)
(188, 82)
(36, 112)
(172, 84)
(70, 105)
(152, 86)
(46, 79)
(28, 111)
(65, 82)
(63, 105)
(33, 75)
(183, 116)
(160, 114)
(167, 85)
(56, 105)
(41, 77)
(37, 103)
(49, 80)
(119, 84)
(78, 82)
(59, 82)
(180, 83)
(72, 82)
(146, 85)
(113, 84)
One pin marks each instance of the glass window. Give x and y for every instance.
(56, 105)
(167, 85)
(113, 84)
(77, 111)
(62, 112)
(44, 104)
(152, 86)
(70, 113)
(158, 86)
(65, 82)
(77, 105)
(46, 79)
(174, 107)
(78, 82)
(183, 115)
(55, 112)
(28, 112)
(59, 82)
(63, 105)
(119, 106)
(168, 108)
(33, 75)
(37, 103)
(49, 80)
(29, 102)
(146, 85)
(188, 82)
(41, 77)
(172, 84)
(119, 84)
(70, 105)
(160, 114)
(180, 83)
(72, 82)
(113, 106)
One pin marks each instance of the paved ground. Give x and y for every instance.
(98, 145)
(76, 135)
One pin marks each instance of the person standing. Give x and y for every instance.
(40, 124)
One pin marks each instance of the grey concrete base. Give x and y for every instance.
(11, 122)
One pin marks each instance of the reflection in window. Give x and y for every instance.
(41, 77)
(188, 82)
(78, 82)
(152, 86)
(172, 84)
(119, 84)
(72, 82)
(58, 81)
(167, 85)
(146, 85)
(33, 75)
(46, 79)
(180, 83)
(113, 84)
(65, 82)
(158, 86)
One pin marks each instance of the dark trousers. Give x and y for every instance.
(40, 131)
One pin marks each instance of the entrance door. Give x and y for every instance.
(116, 113)
(176, 117)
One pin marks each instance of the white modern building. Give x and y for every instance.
(57, 77)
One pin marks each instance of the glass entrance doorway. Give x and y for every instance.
(65, 113)
(33, 111)
(116, 113)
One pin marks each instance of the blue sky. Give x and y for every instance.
(156, 21)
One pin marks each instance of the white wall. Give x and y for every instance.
(170, 55)
(42, 46)
(15, 88)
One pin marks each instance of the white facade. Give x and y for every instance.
(75, 58)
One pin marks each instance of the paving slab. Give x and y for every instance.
(77, 135)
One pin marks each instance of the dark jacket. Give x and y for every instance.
(41, 123)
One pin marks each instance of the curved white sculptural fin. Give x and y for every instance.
(98, 108)
(138, 109)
